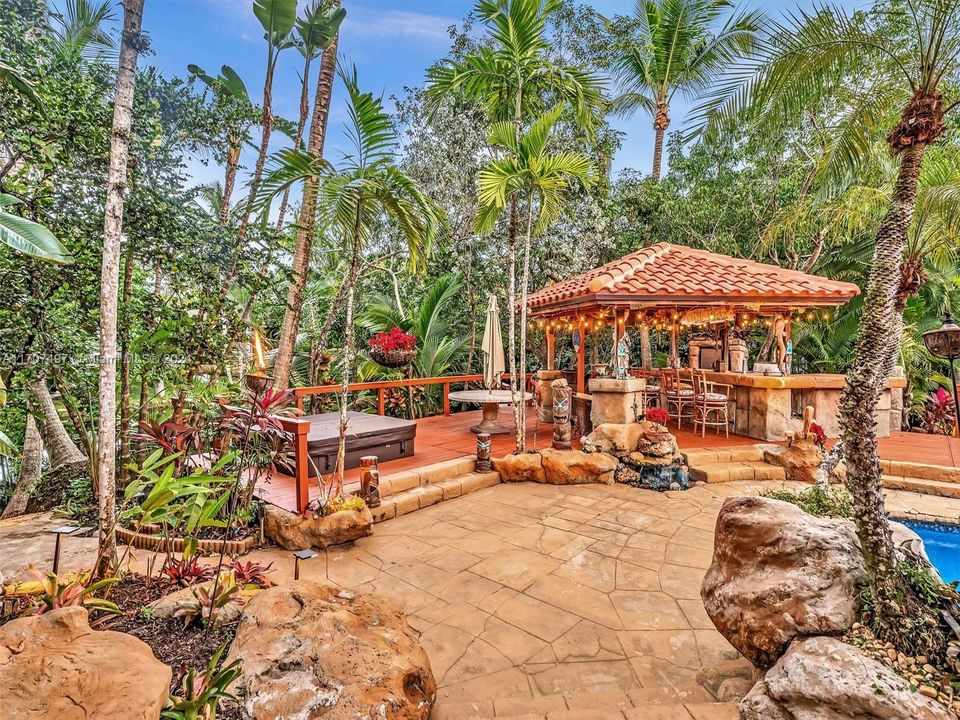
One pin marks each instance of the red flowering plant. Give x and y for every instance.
(937, 415)
(392, 341)
(819, 436)
(658, 416)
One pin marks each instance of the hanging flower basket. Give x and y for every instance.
(393, 349)
(393, 358)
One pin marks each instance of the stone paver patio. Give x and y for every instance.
(532, 598)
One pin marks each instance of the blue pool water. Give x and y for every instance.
(943, 546)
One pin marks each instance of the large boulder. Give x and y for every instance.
(557, 467)
(54, 666)
(572, 467)
(298, 532)
(616, 438)
(822, 678)
(524, 467)
(779, 573)
(311, 650)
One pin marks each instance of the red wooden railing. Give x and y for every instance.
(299, 428)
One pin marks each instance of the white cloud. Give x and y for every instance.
(366, 23)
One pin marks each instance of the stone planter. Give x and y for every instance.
(159, 543)
(296, 532)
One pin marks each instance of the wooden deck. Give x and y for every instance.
(445, 438)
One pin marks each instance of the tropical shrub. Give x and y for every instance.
(937, 415)
(203, 691)
(207, 602)
(187, 571)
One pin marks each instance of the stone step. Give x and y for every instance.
(940, 488)
(747, 453)
(430, 493)
(728, 471)
(433, 474)
(920, 471)
(640, 704)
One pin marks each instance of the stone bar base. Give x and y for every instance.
(765, 407)
(616, 401)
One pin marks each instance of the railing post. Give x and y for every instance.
(381, 402)
(299, 402)
(446, 398)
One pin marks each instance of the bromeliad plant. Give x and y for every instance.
(251, 573)
(56, 592)
(207, 603)
(203, 691)
(187, 571)
(659, 417)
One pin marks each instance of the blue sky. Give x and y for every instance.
(391, 42)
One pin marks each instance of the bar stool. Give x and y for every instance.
(651, 393)
(678, 396)
(707, 401)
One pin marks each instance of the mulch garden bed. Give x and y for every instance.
(173, 644)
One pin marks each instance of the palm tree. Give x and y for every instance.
(78, 29)
(228, 85)
(318, 31)
(277, 17)
(671, 48)
(512, 79)
(798, 64)
(354, 197)
(109, 281)
(540, 179)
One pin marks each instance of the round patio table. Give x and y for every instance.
(490, 400)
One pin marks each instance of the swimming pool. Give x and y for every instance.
(943, 546)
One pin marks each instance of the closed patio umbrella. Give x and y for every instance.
(492, 346)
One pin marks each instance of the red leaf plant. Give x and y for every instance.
(395, 339)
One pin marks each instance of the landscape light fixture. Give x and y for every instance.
(297, 557)
(945, 343)
(60, 532)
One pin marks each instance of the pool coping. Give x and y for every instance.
(924, 517)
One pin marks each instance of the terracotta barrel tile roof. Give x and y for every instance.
(665, 272)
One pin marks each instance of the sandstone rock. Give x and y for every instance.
(311, 650)
(616, 438)
(822, 678)
(526, 467)
(779, 573)
(167, 605)
(801, 460)
(572, 467)
(722, 677)
(55, 666)
(662, 445)
(296, 532)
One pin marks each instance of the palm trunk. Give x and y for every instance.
(73, 413)
(61, 450)
(229, 178)
(125, 367)
(657, 152)
(472, 306)
(266, 123)
(298, 139)
(31, 460)
(306, 222)
(109, 276)
(898, 616)
(351, 281)
(524, 285)
(512, 329)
